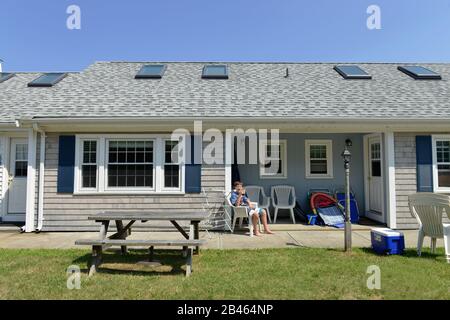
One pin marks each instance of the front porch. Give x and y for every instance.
(312, 161)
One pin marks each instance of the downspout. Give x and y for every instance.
(41, 177)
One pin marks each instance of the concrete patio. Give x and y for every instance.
(285, 236)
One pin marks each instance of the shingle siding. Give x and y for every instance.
(405, 177)
(67, 212)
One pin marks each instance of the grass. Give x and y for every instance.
(294, 273)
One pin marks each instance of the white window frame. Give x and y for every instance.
(283, 157)
(434, 139)
(329, 158)
(102, 165)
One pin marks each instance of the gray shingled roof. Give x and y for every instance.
(312, 90)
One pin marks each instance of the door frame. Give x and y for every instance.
(6, 151)
(369, 214)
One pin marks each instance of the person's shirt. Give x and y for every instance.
(234, 197)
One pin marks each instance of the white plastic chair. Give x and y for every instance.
(240, 213)
(283, 197)
(257, 194)
(428, 208)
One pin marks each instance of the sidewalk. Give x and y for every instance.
(215, 240)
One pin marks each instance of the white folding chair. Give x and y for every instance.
(257, 194)
(283, 197)
(428, 209)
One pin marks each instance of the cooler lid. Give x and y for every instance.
(387, 232)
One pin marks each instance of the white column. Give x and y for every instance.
(389, 180)
(31, 182)
(228, 162)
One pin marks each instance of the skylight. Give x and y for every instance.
(215, 72)
(5, 76)
(151, 71)
(352, 72)
(47, 80)
(420, 73)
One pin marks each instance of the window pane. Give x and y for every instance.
(89, 176)
(21, 169)
(171, 176)
(443, 151)
(318, 152)
(130, 175)
(444, 175)
(376, 168)
(171, 152)
(319, 167)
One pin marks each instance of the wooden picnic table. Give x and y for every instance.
(124, 230)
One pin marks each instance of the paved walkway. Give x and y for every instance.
(316, 238)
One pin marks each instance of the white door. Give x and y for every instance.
(375, 177)
(17, 180)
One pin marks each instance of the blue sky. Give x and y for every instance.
(34, 36)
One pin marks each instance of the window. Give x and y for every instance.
(127, 164)
(441, 163)
(420, 73)
(89, 165)
(171, 165)
(5, 76)
(274, 165)
(215, 72)
(375, 159)
(352, 72)
(151, 71)
(47, 80)
(21, 162)
(130, 163)
(319, 161)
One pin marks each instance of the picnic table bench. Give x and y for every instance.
(190, 244)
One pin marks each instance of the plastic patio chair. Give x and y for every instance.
(428, 208)
(240, 213)
(283, 197)
(256, 194)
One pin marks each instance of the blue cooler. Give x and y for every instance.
(387, 241)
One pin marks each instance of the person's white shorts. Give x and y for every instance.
(258, 211)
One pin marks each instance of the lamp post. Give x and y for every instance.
(346, 156)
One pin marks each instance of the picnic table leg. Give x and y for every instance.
(196, 235)
(119, 226)
(103, 230)
(190, 250)
(96, 260)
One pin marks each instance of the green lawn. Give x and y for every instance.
(296, 273)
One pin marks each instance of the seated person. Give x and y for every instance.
(239, 198)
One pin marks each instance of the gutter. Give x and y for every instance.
(41, 177)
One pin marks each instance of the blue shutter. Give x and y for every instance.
(193, 172)
(66, 164)
(424, 161)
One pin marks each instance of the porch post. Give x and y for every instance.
(31, 181)
(389, 180)
(228, 162)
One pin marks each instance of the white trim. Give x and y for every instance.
(283, 156)
(102, 162)
(434, 139)
(5, 175)
(31, 180)
(328, 143)
(228, 162)
(41, 183)
(389, 180)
